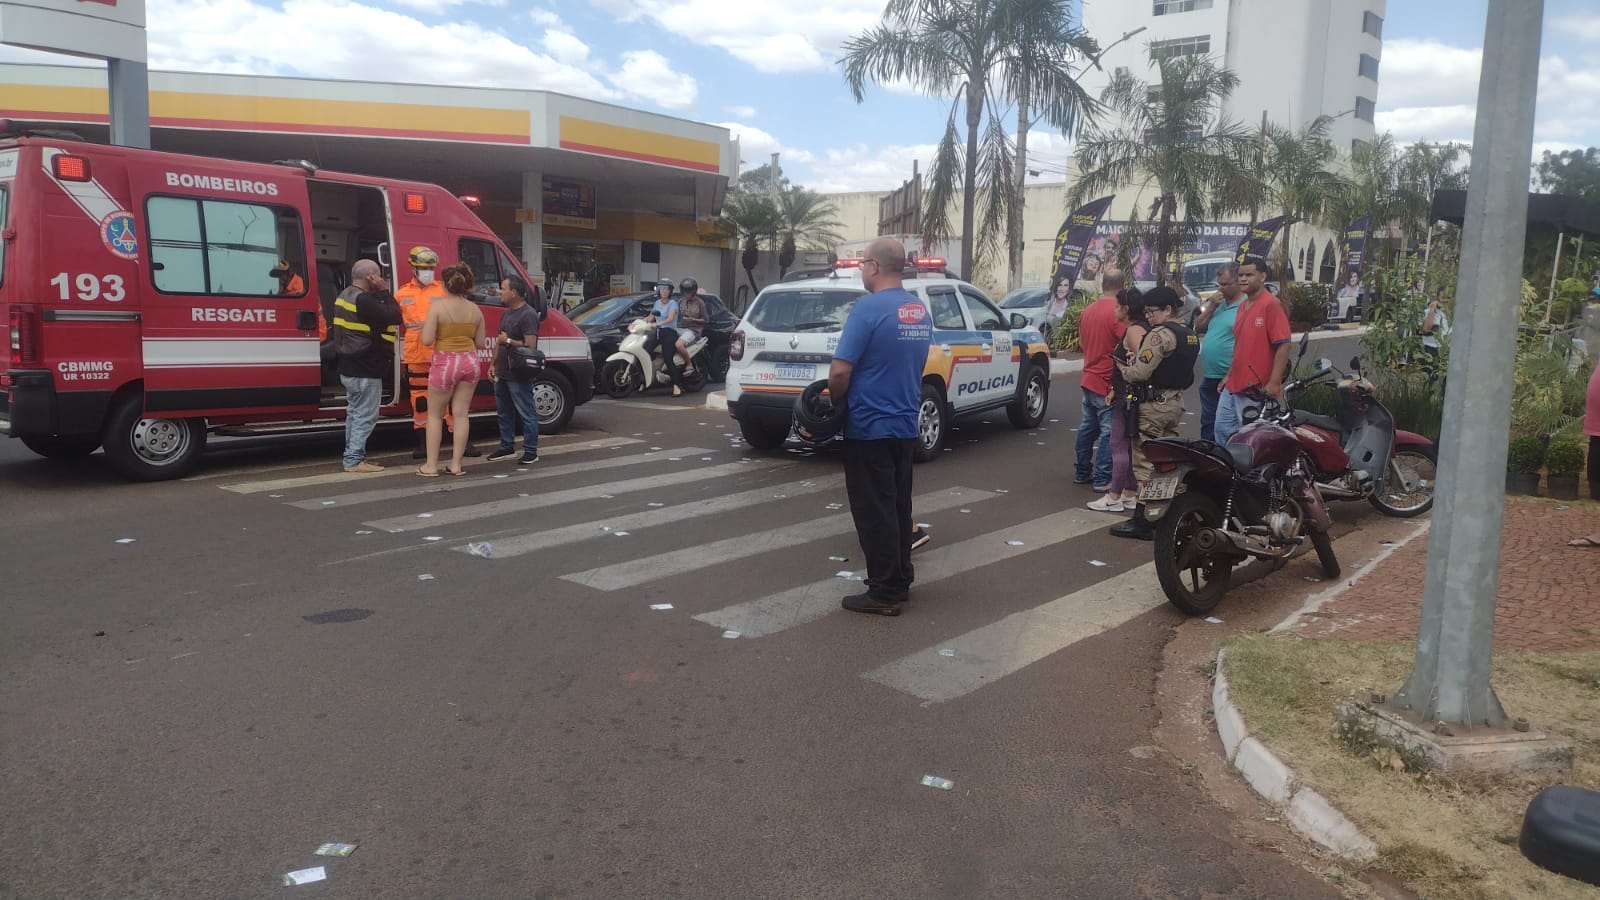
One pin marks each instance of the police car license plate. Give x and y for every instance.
(1159, 487)
(795, 371)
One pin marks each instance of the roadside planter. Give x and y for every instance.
(1562, 462)
(1524, 458)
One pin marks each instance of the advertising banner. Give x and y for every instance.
(568, 203)
(1111, 237)
(1072, 244)
(1257, 245)
(1355, 253)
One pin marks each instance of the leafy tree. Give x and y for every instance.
(1426, 169)
(943, 48)
(1300, 178)
(1375, 189)
(1172, 136)
(755, 221)
(1574, 172)
(800, 218)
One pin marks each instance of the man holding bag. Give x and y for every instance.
(517, 363)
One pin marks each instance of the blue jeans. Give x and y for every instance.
(1094, 427)
(513, 400)
(1208, 407)
(363, 396)
(1230, 414)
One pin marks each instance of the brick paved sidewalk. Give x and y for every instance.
(1549, 592)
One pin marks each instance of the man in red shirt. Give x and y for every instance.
(1099, 332)
(1260, 349)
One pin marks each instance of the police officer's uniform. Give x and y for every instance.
(1161, 370)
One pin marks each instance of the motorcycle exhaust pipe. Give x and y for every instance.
(1218, 540)
(1333, 492)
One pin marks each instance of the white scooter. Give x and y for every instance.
(632, 368)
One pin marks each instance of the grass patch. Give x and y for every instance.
(1446, 837)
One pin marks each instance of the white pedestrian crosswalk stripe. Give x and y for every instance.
(635, 572)
(797, 606)
(520, 544)
(282, 484)
(448, 485)
(475, 511)
(985, 655)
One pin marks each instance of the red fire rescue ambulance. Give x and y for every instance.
(146, 312)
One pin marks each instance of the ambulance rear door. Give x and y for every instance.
(222, 332)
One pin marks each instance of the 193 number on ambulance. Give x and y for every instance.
(89, 286)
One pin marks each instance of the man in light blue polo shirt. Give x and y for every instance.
(1215, 324)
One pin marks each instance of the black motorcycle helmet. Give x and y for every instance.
(817, 419)
(688, 285)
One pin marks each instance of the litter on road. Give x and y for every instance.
(620, 533)
(1097, 563)
(845, 573)
(655, 503)
(1013, 543)
(947, 651)
(424, 515)
(660, 606)
(329, 502)
(730, 634)
(306, 876)
(838, 559)
(481, 550)
(1313, 579)
(126, 540)
(424, 577)
(934, 781)
(1213, 620)
(364, 531)
(335, 850)
(433, 537)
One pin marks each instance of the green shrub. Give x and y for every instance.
(1415, 401)
(1525, 454)
(1064, 333)
(1547, 390)
(1563, 458)
(1306, 303)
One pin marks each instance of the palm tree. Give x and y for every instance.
(1039, 78)
(1300, 176)
(805, 219)
(1375, 189)
(1172, 136)
(754, 220)
(941, 47)
(1425, 169)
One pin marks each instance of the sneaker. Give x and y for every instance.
(866, 603)
(499, 455)
(472, 451)
(529, 458)
(920, 538)
(1106, 504)
(364, 467)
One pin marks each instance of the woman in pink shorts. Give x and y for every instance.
(454, 329)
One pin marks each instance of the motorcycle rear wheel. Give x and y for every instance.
(1422, 463)
(1194, 582)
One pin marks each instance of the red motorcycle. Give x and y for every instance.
(1214, 506)
(1359, 454)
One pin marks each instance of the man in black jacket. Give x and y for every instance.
(366, 317)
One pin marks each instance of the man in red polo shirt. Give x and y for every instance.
(1260, 349)
(1099, 332)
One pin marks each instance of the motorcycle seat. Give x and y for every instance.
(1241, 456)
(1328, 423)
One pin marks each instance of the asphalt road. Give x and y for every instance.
(265, 669)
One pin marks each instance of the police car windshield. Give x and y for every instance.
(819, 310)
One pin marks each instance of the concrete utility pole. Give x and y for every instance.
(1450, 681)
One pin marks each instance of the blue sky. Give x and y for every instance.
(768, 68)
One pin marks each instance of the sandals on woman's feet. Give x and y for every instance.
(456, 471)
(427, 474)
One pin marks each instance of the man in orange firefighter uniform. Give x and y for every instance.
(415, 297)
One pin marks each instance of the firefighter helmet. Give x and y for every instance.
(423, 258)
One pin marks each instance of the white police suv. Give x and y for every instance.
(980, 358)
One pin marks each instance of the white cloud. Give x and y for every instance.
(743, 112)
(772, 36)
(1579, 26)
(1427, 73)
(545, 18)
(432, 5)
(646, 73)
(863, 168)
(1431, 123)
(565, 47)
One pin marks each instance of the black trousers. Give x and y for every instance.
(667, 340)
(877, 477)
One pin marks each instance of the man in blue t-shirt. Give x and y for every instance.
(877, 368)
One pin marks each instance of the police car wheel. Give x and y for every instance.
(932, 424)
(763, 435)
(552, 401)
(70, 446)
(1033, 398)
(151, 449)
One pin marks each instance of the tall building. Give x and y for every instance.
(1296, 59)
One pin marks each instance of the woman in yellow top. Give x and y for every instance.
(454, 329)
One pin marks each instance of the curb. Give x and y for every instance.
(1308, 811)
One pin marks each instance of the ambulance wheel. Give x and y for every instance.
(1033, 398)
(552, 400)
(151, 449)
(933, 424)
(68, 446)
(619, 378)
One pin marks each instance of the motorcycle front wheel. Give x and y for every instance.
(1193, 581)
(1408, 480)
(619, 378)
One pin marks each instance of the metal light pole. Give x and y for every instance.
(1450, 680)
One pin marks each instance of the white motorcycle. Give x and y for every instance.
(632, 366)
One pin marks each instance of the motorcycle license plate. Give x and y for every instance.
(1159, 487)
(795, 371)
